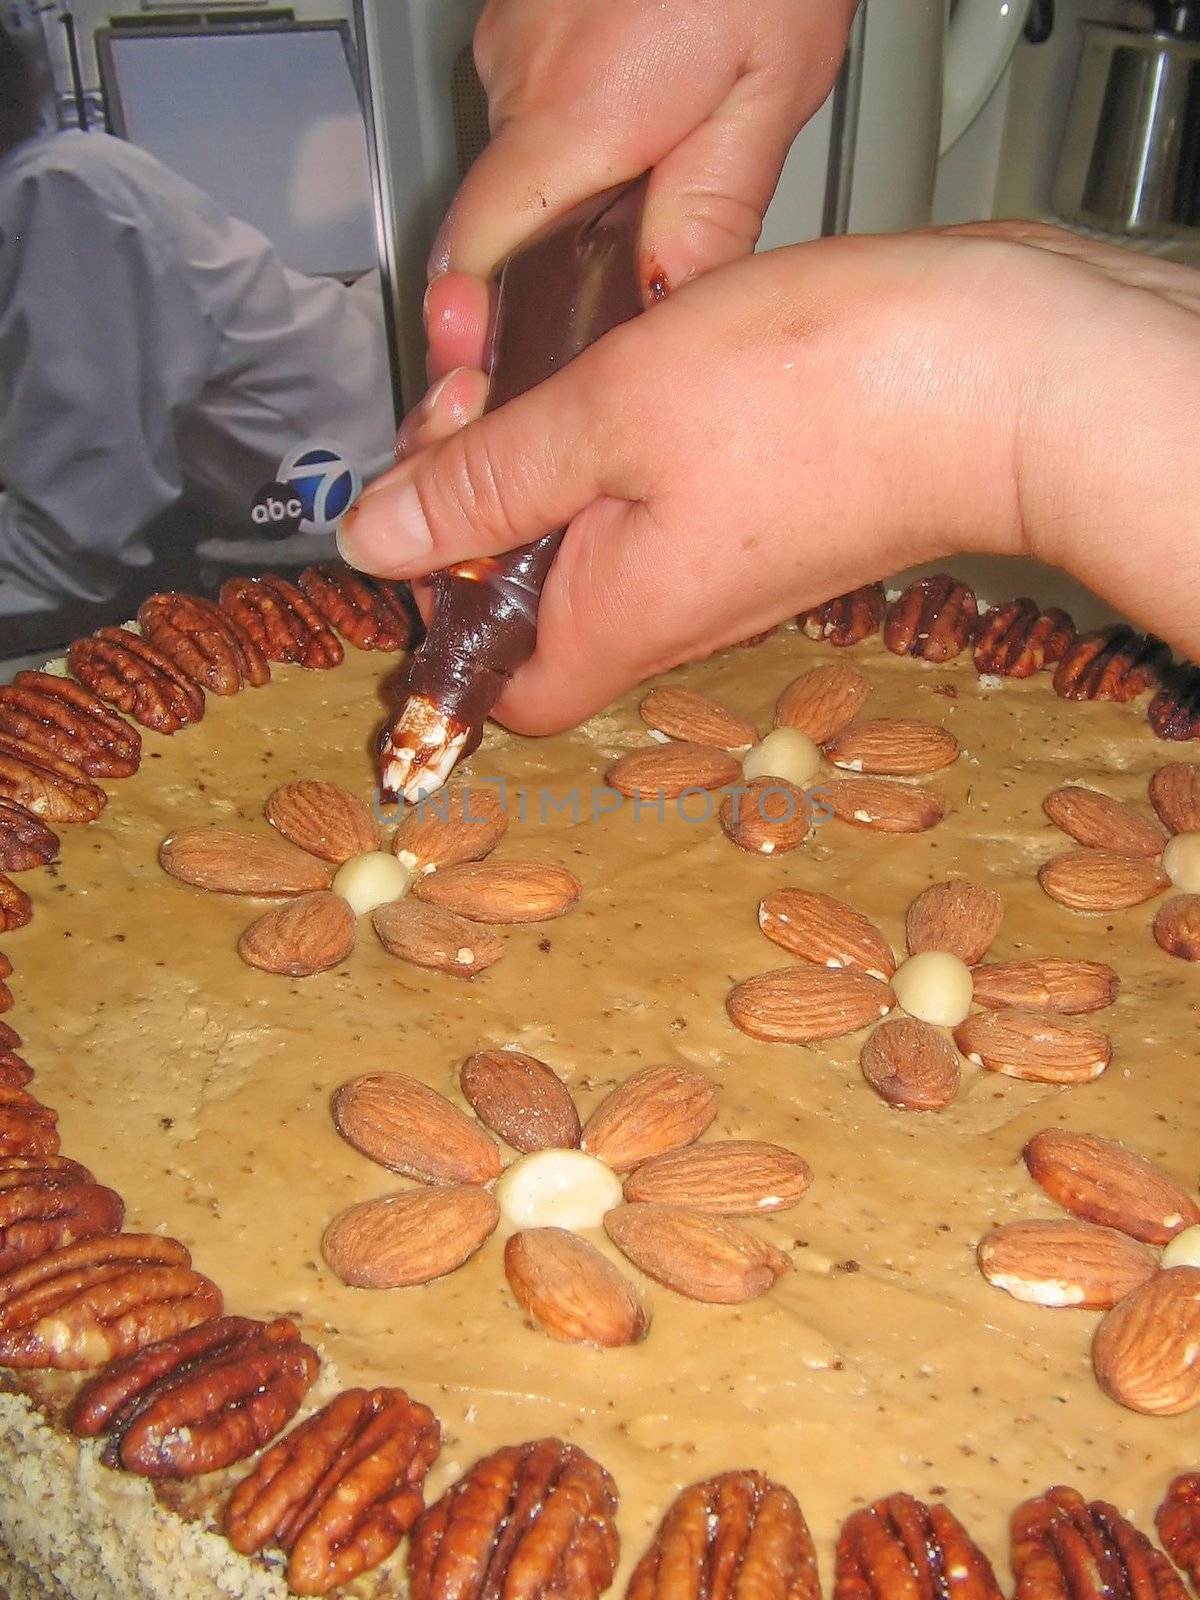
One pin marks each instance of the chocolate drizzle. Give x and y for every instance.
(558, 294)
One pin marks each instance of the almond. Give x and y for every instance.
(322, 819)
(1102, 823)
(821, 702)
(501, 891)
(824, 931)
(801, 1005)
(1103, 1182)
(403, 1125)
(304, 936)
(1175, 795)
(1101, 880)
(960, 917)
(670, 769)
(1049, 984)
(893, 745)
(402, 1239)
(1177, 926)
(521, 1099)
(450, 827)
(728, 1177)
(767, 816)
(1146, 1351)
(1024, 1044)
(229, 862)
(658, 1109)
(885, 807)
(440, 940)
(910, 1065)
(704, 1258)
(570, 1290)
(1064, 1262)
(683, 714)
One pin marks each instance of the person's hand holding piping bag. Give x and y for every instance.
(706, 100)
(706, 96)
(791, 426)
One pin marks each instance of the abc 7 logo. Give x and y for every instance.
(314, 487)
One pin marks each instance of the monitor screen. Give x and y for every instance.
(266, 121)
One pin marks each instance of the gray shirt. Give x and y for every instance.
(156, 353)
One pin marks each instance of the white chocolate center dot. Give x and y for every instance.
(785, 753)
(1184, 1249)
(371, 880)
(1181, 862)
(934, 987)
(557, 1189)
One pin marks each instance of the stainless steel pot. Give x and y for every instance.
(1130, 158)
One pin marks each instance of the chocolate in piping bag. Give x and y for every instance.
(556, 295)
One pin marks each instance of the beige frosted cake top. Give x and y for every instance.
(879, 1359)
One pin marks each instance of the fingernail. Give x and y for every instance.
(431, 395)
(425, 299)
(341, 537)
(385, 533)
(439, 254)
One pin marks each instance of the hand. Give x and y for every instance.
(585, 95)
(799, 423)
(582, 96)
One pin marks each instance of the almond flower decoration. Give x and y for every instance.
(705, 745)
(432, 897)
(1130, 1248)
(634, 1168)
(849, 978)
(1127, 859)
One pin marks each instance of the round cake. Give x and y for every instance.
(789, 1262)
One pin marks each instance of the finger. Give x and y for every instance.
(601, 121)
(454, 400)
(457, 315)
(500, 482)
(513, 189)
(707, 196)
(577, 110)
(710, 185)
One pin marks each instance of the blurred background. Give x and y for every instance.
(214, 221)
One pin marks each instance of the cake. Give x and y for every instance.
(873, 1357)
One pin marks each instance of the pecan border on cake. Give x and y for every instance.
(937, 618)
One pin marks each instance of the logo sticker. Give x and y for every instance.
(324, 482)
(276, 511)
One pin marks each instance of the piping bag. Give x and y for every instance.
(560, 292)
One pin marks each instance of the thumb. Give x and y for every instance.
(498, 483)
